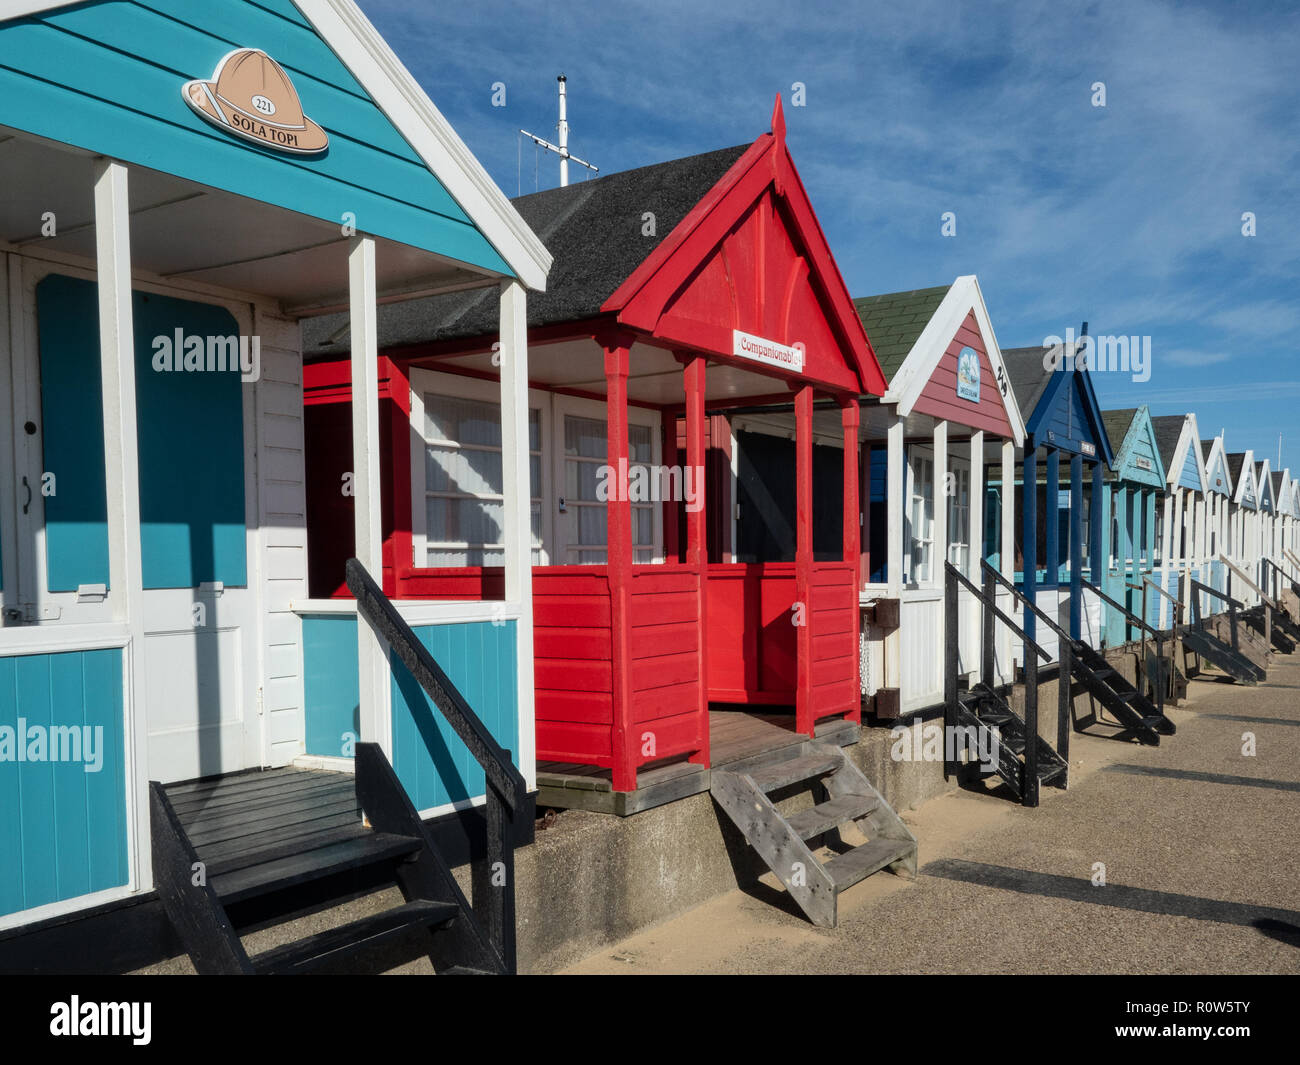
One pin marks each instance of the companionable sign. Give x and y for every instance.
(758, 349)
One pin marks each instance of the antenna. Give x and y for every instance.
(562, 149)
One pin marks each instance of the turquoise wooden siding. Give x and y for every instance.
(72, 418)
(1138, 459)
(107, 77)
(64, 832)
(431, 762)
(190, 441)
(1190, 477)
(332, 690)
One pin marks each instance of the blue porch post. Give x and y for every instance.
(1030, 548)
(1052, 519)
(1100, 526)
(1076, 546)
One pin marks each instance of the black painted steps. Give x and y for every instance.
(983, 708)
(334, 944)
(288, 870)
(1219, 654)
(1112, 689)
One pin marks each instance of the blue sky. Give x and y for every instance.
(1128, 215)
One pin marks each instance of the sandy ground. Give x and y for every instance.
(1200, 844)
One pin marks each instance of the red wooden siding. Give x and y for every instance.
(572, 664)
(939, 397)
(835, 639)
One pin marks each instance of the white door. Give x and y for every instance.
(198, 512)
(581, 472)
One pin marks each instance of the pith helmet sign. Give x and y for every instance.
(252, 97)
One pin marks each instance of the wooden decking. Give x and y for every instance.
(734, 736)
(231, 817)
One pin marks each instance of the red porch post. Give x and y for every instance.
(671, 508)
(849, 418)
(803, 559)
(696, 525)
(618, 555)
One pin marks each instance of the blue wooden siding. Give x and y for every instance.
(1139, 450)
(64, 832)
(107, 77)
(431, 762)
(1067, 417)
(190, 440)
(331, 688)
(1190, 477)
(1219, 472)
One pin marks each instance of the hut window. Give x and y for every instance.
(920, 524)
(464, 509)
(584, 529)
(959, 519)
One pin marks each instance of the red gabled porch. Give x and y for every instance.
(740, 305)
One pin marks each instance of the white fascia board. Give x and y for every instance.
(1217, 449)
(1247, 477)
(963, 298)
(372, 62)
(1189, 438)
(366, 54)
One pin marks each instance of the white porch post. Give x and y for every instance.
(939, 493)
(976, 537)
(1166, 532)
(895, 477)
(1007, 554)
(372, 659)
(517, 509)
(122, 481)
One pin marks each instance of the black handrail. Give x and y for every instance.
(1133, 619)
(378, 609)
(997, 612)
(1019, 595)
(1130, 617)
(505, 785)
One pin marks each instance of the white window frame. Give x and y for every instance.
(959, 468)
(561, 407)
(457, 386)
(915, 453)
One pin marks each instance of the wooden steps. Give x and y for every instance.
(745, 790)
(1130, 707)
(261, 840)
(1000, 731)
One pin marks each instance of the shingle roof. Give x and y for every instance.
(594, 231)
(1117, 423)
(1029, 376)
(1169, 430)
(1235, 461)
(894, 320)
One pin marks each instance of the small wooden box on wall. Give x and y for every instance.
(885, 704)
(883, 613)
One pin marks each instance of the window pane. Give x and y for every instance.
(472, 521)
(643, 525)
(467, 472)
(638, 438)
(464, 421)
(584, 437)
